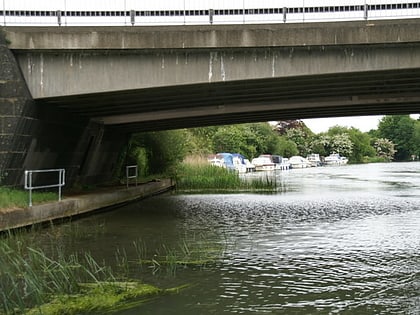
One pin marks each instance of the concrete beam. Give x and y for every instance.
(214, 36)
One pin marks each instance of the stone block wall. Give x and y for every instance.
(37, 137)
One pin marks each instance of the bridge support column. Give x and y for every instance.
(40, 137)
(16, 117)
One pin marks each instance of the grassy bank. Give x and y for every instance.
(11, 198)
(205, 177)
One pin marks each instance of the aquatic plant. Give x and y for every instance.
(98, 297)
(38, 281)
(206, 177)
(184, 254)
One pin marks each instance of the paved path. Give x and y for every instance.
(79, 204)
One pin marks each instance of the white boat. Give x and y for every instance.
(242, 165)
(298, 161)
(335, 159)
(314, 159)
(263, 163)
(280, 162)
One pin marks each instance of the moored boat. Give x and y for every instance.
(335, 159)
(314, 159)
(298, 161)
(263, 163)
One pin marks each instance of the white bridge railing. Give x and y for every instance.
(29, 181)
(190, 12)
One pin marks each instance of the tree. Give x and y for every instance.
(299, 137)
(158, 152)
(401, 130)
(361, 146)
(385, 149)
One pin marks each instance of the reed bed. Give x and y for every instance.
(29, 277)
(34, 280)
(40, 274)
(205, 177)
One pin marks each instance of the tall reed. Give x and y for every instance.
(201, 177)
(29, 276)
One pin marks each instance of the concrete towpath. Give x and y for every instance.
(79, 204)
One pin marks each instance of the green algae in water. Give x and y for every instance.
(100, 298)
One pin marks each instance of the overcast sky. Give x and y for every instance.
(363, 123)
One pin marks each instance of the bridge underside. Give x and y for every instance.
(297, 97)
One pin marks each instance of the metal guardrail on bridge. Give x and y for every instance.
(65, 14)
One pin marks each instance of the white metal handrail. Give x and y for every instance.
(129, 170)
(29, 185)
(122, 15)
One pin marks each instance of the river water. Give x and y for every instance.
(332, 240)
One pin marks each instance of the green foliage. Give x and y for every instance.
(35, 280)
(385, 149)
(161, 152)
(403, 132)
(158, 152)
(361, 146)
(97, 297)
(250, 140)
(213, 178)
(10, 198)
(333, 142)
(301, 139)
(286, 147)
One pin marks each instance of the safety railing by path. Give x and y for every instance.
(194, 12)
(131, 171)
(29, 181)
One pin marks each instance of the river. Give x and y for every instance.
(332, 240)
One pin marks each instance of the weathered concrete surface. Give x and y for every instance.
(215, 36)
(36, 137)
(62, 61)
(77, 205)
(54, 74)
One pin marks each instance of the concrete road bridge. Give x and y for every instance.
(71, 94)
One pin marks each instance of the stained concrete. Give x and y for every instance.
(80, 204)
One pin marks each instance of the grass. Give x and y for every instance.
(205, 177)
(16, 198)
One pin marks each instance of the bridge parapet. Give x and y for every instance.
(214, 36)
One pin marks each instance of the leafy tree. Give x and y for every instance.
(341, 144)
(385, 149)
(250, 140)
(158, 152)
(229, 139)
(286, 147)
(299, 137)
(321, 144)
(416, 140)
(401, 130)
(361, 145)
(200, 140)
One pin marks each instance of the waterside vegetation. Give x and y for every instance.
(396, 139)
(42, 273)
(10, 198)
(205, 177)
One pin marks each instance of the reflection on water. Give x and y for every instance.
(333, 240)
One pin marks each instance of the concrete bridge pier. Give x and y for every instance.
(35, 137)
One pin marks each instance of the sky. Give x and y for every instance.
(363, 123)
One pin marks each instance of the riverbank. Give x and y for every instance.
(79, 204)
